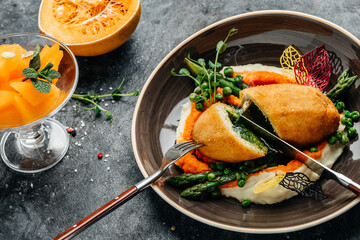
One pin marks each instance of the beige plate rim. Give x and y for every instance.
(184, 210)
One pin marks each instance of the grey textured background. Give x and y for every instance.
(43, 205)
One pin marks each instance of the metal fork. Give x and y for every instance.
(171, 156)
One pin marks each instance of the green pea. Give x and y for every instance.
(344, 140)
(338, 135)
(212, 166)
(206, 94)
(227, 170)
(241, 183)
(219, 97)
(205, 85)
(332, 140)
(192, 97)
(227, 91)
(238, 176)
(244, 175)
(199, 106)
(211, 176)
(349, 122)
(216, 193)
(197, 90)
(313, 149)
(347, 113)
(340, 106)
(238, 78)
(245, 203)
(352, 132)
(355, 115)
(346, 121)
(228, 71)
(220, 166)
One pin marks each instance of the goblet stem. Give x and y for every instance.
(35, 149)
(31, 138)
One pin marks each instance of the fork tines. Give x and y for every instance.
(188, 146)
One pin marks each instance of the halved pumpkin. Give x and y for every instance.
(89, 27)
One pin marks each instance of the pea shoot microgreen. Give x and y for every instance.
(40, 79)
(205, 78)
(93, 99)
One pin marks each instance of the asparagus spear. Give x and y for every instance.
(187, 179)
(343, 83)
(201, 189)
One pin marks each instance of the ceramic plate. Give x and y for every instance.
(262, 38)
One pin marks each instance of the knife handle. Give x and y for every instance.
(354, 189)
(345, 181)
(98, 214)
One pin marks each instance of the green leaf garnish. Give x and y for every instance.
(40, 79)
(41, 86)
(221, 47)
(205, 79)
(52, 73)
(35, 62)
(29, 73)
(184, 72)
(94, 100)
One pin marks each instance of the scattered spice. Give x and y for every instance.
(73, 133)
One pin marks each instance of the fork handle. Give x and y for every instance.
(109, 207)
(98, 214)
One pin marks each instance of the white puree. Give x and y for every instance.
(330, 154)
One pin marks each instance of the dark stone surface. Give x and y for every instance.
(43, 205)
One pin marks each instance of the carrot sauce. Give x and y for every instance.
(254, 78)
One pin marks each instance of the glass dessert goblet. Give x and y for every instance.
(33, 142)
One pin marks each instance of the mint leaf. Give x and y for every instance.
(53, 74)
(44, 77)
(41, 86)
(29, 73)
(35, 62)
(47, 68)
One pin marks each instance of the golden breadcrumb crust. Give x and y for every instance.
(300, 115)
(214, 129)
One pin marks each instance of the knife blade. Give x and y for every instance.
(295, 153)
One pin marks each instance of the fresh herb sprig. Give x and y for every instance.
(206, 79)
(40, 79)
(94, 100)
